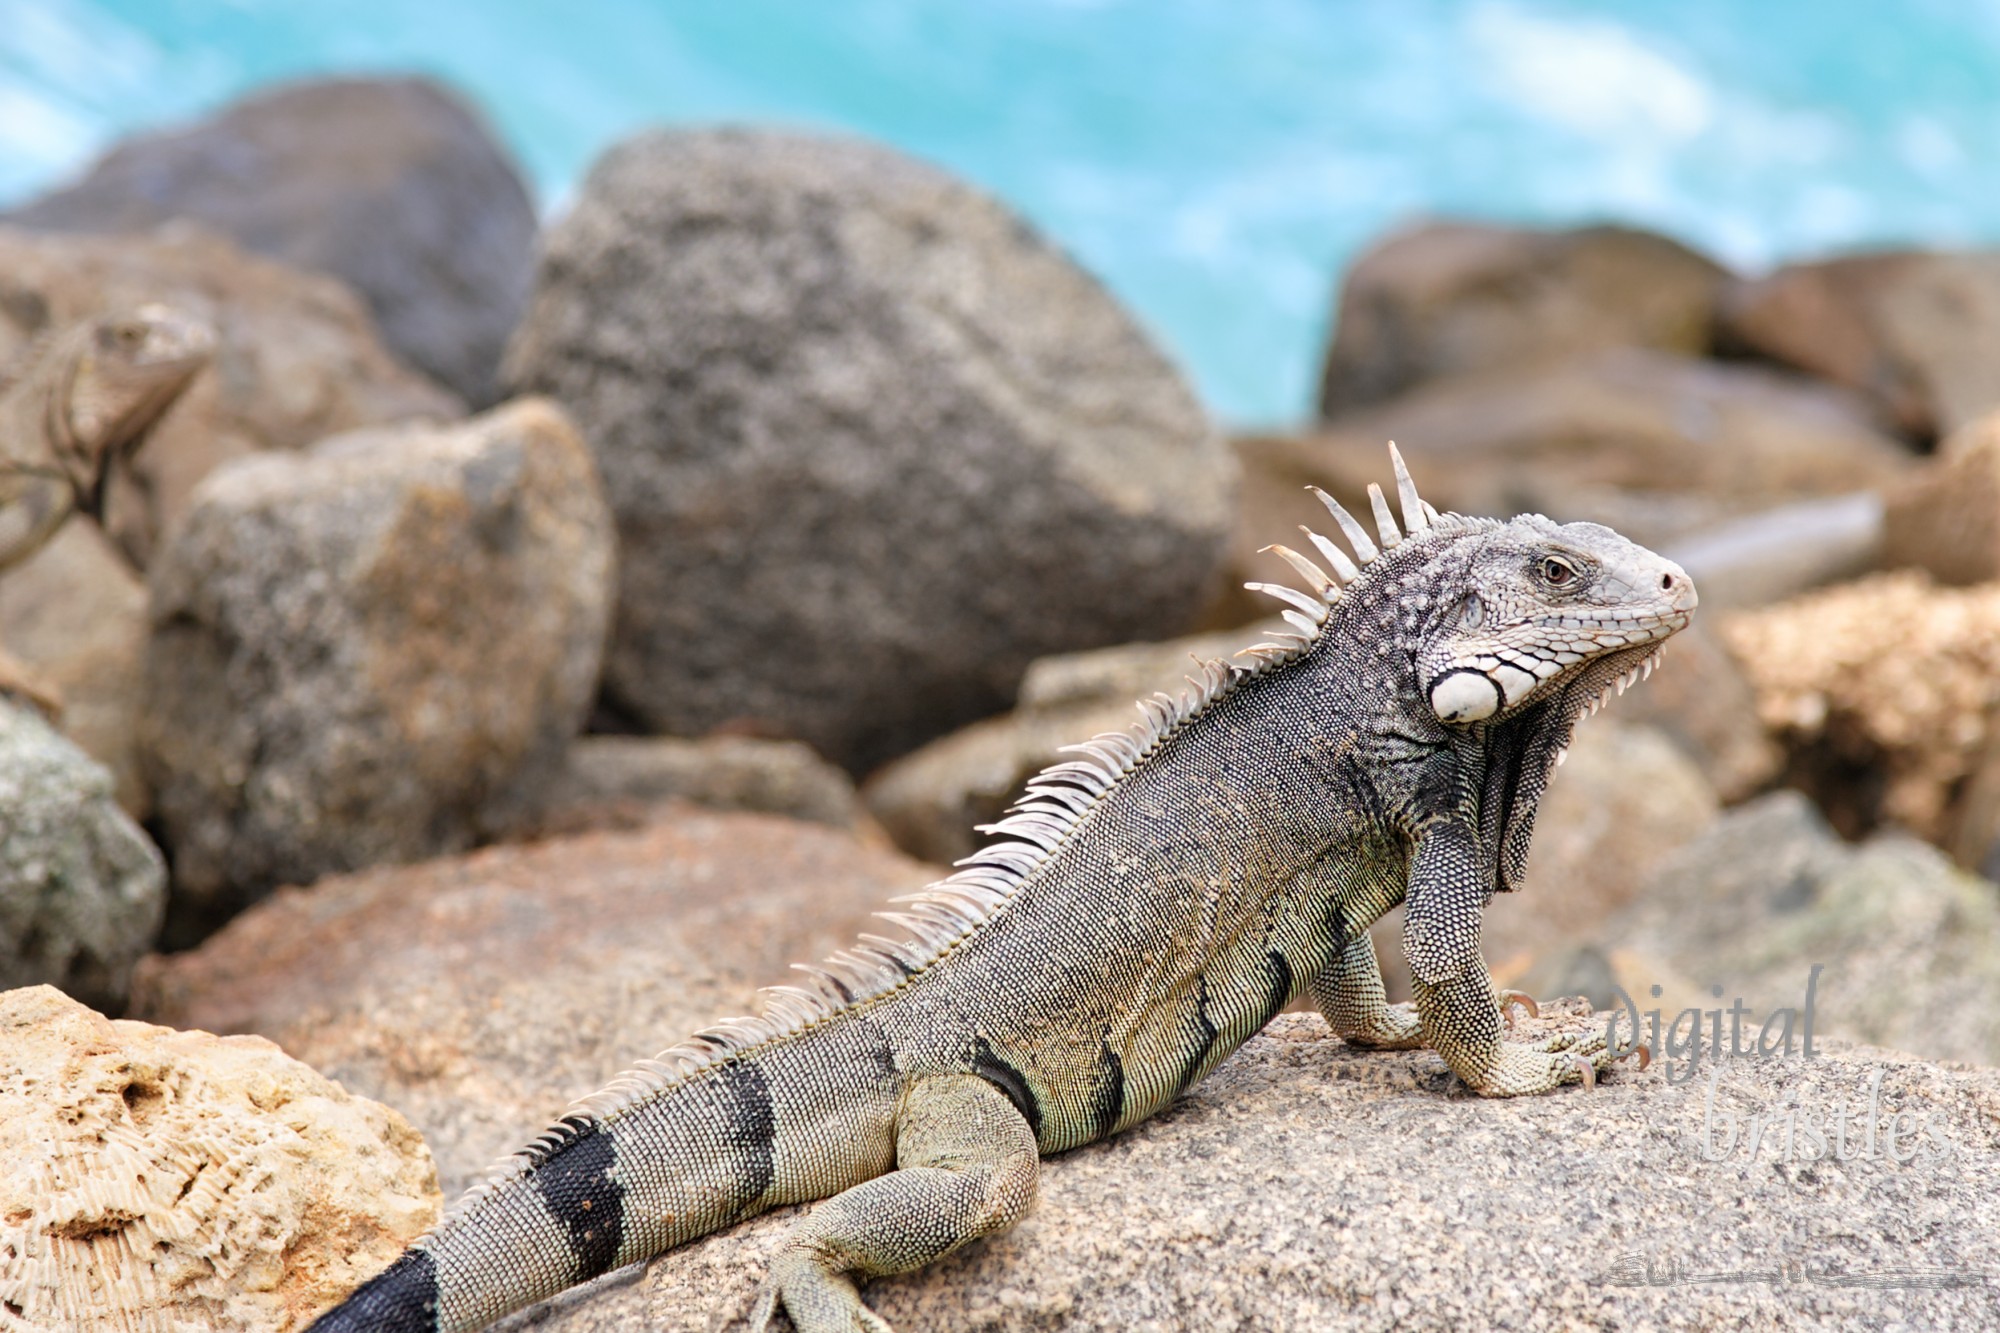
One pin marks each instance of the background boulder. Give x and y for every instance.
(373, 652)
(82, 890)
(873, 444)
(394, 185)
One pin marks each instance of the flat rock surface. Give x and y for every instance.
(175, 1181)
(1310, 1185)
(873, 443)
(480, 995)
(378, 651)
(297, 357)
(82, 888)
(394, 185)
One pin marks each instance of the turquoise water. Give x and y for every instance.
(1214, 161)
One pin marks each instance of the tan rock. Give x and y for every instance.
(480, 995)
(618, 781)
(176, 1181)
(376, 651)
(297, 358)
(1307, 1185)
(74, 616)
(1657, 446)
(1945, 518)
(1449, 298)
(1882, 693)
(1702, 702)
(1918, 333)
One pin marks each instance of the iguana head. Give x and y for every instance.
(128, 368)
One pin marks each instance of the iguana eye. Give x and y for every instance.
(1557, 572)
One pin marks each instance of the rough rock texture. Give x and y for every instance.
(1918, 333)
(1778, 553)
(618, 781)
(374, 652)
(1882, 692)
(1945, 518)
(874, 445)
(82, 890)
(930, 802)
(1447, 298)
(480, 995)
(1309, 1185)
(1624, 801)
(73, 615)
(1657, 446)
(296, 358)
(175, 1181)
(394, 185)
(1909, 943)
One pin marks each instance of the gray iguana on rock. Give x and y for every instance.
(81, 403)
(1146, 907)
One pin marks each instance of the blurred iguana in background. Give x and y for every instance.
(76, 404)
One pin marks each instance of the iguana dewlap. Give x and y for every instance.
(1148, 906)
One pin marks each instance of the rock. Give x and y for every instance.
(1656, 446)
(874, 445)
(1945, 518)
(1910, 945)
(82, 890)
(1450, 298)
(1702, 702)
(618, 781)
(1778, 553)
(74, 616)
(1918, 333)
(931, 801)
(154, 1179)
(480, 995)
(1623, 802)
(377, 651)
(1310, 1185)
(1881, 692)
(297, 358)
(394, 185)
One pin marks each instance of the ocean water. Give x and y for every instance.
(1215, 162)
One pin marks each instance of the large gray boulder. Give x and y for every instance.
(873, 444)
(82, 890)
(377, 651)
(395, 185)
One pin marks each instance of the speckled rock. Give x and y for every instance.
(1918, 333)
(296, 357)
(82, 889)
(375, 652)
(1309, 1185)
(619, 781)
(394, 185)
(931, 801)
(1882, 692)
(1449, 298)
(480, 995)
(176, 1181)
(73, 615)
(874, 444)
(1910, 945)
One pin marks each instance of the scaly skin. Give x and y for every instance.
(1148, 907)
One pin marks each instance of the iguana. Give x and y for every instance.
(82, 402)
(1145, 908)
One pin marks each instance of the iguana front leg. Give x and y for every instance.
(1457, 1007)
(966, 1166)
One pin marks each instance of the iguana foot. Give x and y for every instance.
(1394, 1027)
(817, 1299)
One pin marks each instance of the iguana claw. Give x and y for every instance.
(1510, 998)
(1585, 1068)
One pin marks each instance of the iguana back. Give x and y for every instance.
(1148, 906)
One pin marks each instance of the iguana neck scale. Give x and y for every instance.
(1149, 904)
